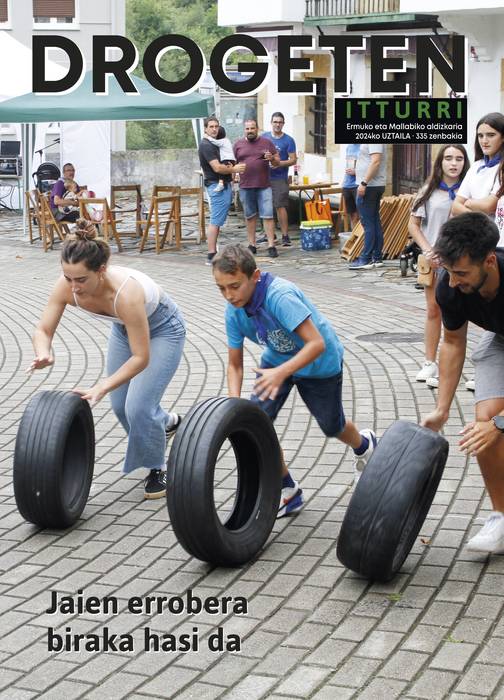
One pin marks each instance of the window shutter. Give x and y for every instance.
(54, 8)
(3, 11)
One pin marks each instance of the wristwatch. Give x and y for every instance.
(363, 183)
(498, 421)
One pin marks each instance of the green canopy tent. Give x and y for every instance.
(83, 105)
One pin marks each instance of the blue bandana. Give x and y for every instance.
(255, 309)
(451, 190)
(490, 162)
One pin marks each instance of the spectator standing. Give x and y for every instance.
(371, 174)
(349, 184)
(213, 171)
(257, 153)
(279, 174)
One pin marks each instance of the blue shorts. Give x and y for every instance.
(219, 203)
(257, 200)
(321, 396)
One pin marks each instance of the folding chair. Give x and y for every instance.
(197, 194)
(127, 199)
(33, 213)
(49, 223)
(106, 223)
(163, 214)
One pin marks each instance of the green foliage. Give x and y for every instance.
(145, 21)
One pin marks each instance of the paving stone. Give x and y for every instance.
(433, 685)
(403, 665)
(303, 681)
(383, 689)
(378, 644)
(480, 679)
(453, 656)
(251, 688)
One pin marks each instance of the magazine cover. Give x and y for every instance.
(251, 349)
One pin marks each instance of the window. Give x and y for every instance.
(51, 12)
(4, 11)
(318, 108)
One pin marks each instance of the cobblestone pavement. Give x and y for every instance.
(313, 629)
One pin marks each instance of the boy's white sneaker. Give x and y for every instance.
(219, 187)
(360, 461)
(469, 385)
(491, 536)
(429, 369)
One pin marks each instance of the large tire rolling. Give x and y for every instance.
(391, 500)
(54, 459)
(190, 488)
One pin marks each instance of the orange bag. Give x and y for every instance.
(318, 209)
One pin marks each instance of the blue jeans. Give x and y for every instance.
(257, 200)
(137, 402)
(219, 203)
(321, 396)
(369, 212)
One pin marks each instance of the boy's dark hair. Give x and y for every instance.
(221, 134)
(472, 234)
(235, 258)
(207, 120)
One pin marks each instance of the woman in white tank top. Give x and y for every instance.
(145, 345)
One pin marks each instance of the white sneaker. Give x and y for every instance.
(219, 187)
(469, 385)
(360, 461)
(491, 536)
(429, 369)
(433, 382)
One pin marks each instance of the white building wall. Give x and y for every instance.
(233, 12)
(93, 17)
(437, 6)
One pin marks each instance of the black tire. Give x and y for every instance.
(190, 488)
(403, 266)
(391, 500)
(54, 459)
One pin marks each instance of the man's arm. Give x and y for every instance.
(222, 169)
(235, 371)
(451, 362)
(291, 160)
(373, 168)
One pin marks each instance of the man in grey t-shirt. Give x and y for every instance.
(371, 175)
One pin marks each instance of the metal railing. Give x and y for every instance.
(342, 8)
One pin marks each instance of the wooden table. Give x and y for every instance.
(314, 187)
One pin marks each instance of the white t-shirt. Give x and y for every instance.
(477, 185)
(434, 212)
(363, 161)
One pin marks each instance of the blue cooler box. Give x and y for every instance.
(316, 235)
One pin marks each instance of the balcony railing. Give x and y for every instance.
(345, 8)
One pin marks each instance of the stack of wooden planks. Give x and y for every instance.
(394, 214)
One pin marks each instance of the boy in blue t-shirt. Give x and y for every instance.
(300, 349)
